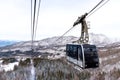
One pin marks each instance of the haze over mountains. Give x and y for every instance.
(97, 39)
(50, 45)
(6, 42)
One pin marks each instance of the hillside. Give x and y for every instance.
(49, 61)
(6, 42)
(97, 39)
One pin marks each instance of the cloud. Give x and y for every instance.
(56, 17)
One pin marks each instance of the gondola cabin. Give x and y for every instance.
(83, 55)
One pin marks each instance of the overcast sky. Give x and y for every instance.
(56, 17)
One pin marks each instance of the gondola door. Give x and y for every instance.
(81, 56)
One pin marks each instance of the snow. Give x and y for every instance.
(4, 50)
(32, 71)
(103, 50)
(109, 57)
(1, 61)
(21, 49)
(78, 68)
(47, 50)
(55, 56)
(109, 67)
(8, 67)
(51, 43)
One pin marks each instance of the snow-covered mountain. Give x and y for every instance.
(99, 39)
(6, 42)
(53, 60)
(51, 43)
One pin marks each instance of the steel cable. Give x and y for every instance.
(34, 21)
(97, 8)
(87, 16)
(37, 18)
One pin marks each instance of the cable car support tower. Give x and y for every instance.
(83, 52)
(84, 38)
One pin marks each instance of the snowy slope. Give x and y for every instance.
(94, 39)
(99, 39)
(6, 42)
(53, 43)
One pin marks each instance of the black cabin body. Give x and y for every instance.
(83, 55)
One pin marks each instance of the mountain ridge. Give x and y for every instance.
(53, 43)
(6, 42)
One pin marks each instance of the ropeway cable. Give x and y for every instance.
(97, 8)
(89, 14)
(37, 18)
(34, 21)
(64, 33)
(31, 27)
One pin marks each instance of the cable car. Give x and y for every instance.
(83, 55)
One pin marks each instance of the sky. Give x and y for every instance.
(56, 17)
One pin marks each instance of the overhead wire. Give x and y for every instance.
(97, 8)
(64, 33)
(37, 17)
(31, 27)
(34, 20)
(61, 37)
(87, 16)
(34, 14)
